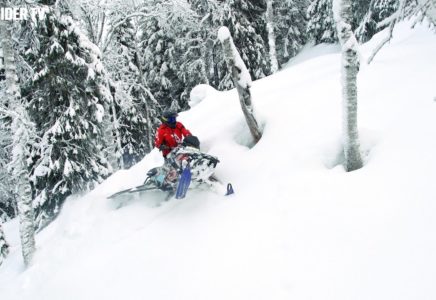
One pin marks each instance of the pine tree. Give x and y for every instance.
(134, 109)
(290, 28)
(210, 14)
(321, 25)
(377, 11)
(366, 19)
(67, 100)
(160, 57)
(4, 246)
(171, 52)
(403, 8)
(193, 69)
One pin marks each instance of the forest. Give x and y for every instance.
(83, 86)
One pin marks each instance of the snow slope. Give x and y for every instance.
(298, 227)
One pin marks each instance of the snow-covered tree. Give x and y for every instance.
(8, 208)
(377, 11)
(321, 25)
(168, 38)
(271, 36)
(4, 246)
(350, 68)
(134, 109)
(428, 9)
(68, 101)
(290, 28)
(93, 16)
(23, 137)
(241, 79)
(193, 67)
(210, 14)
(160, 61)
(366, 14)
(393, 16)
(244, 19)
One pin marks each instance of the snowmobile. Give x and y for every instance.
(185, 167)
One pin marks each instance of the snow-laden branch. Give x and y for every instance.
(120, 23)
(392, 21)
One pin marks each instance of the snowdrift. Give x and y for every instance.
(298, 227)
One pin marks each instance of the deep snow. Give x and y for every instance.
(298, 227)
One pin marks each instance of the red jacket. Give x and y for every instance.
(170, 137)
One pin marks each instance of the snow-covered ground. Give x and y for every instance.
(298, 227)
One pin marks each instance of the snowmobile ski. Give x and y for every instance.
(184, 182)
(137, 189)
(143, 187)
(230, 190)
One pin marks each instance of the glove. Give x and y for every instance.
(163, 147)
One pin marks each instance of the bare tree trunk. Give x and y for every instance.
(350, 69)
(20, 128)
(271, 36)
(143, 84)
(116, 126)
(241, 79)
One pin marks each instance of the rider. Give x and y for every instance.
(170, 134)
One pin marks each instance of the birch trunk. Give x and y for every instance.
(20, 128)
(350, 69)
(143, 84)
(271, 36)
(242, 81)
(116, 129)
(116, 125)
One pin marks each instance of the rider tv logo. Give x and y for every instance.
(20, 13)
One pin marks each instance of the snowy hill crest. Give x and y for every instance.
(298, 220)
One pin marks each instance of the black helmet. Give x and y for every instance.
(169, 113)
(191, 140)
(169, 117)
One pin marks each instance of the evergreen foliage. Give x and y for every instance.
(133, 111)
(367, 17)
(377, 11)
(154, 54)
(160, 66)
(67, 100)
(209, 15)
(165, 37)
(290, 28)
(321, 25)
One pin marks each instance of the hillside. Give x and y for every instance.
(298, 227)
